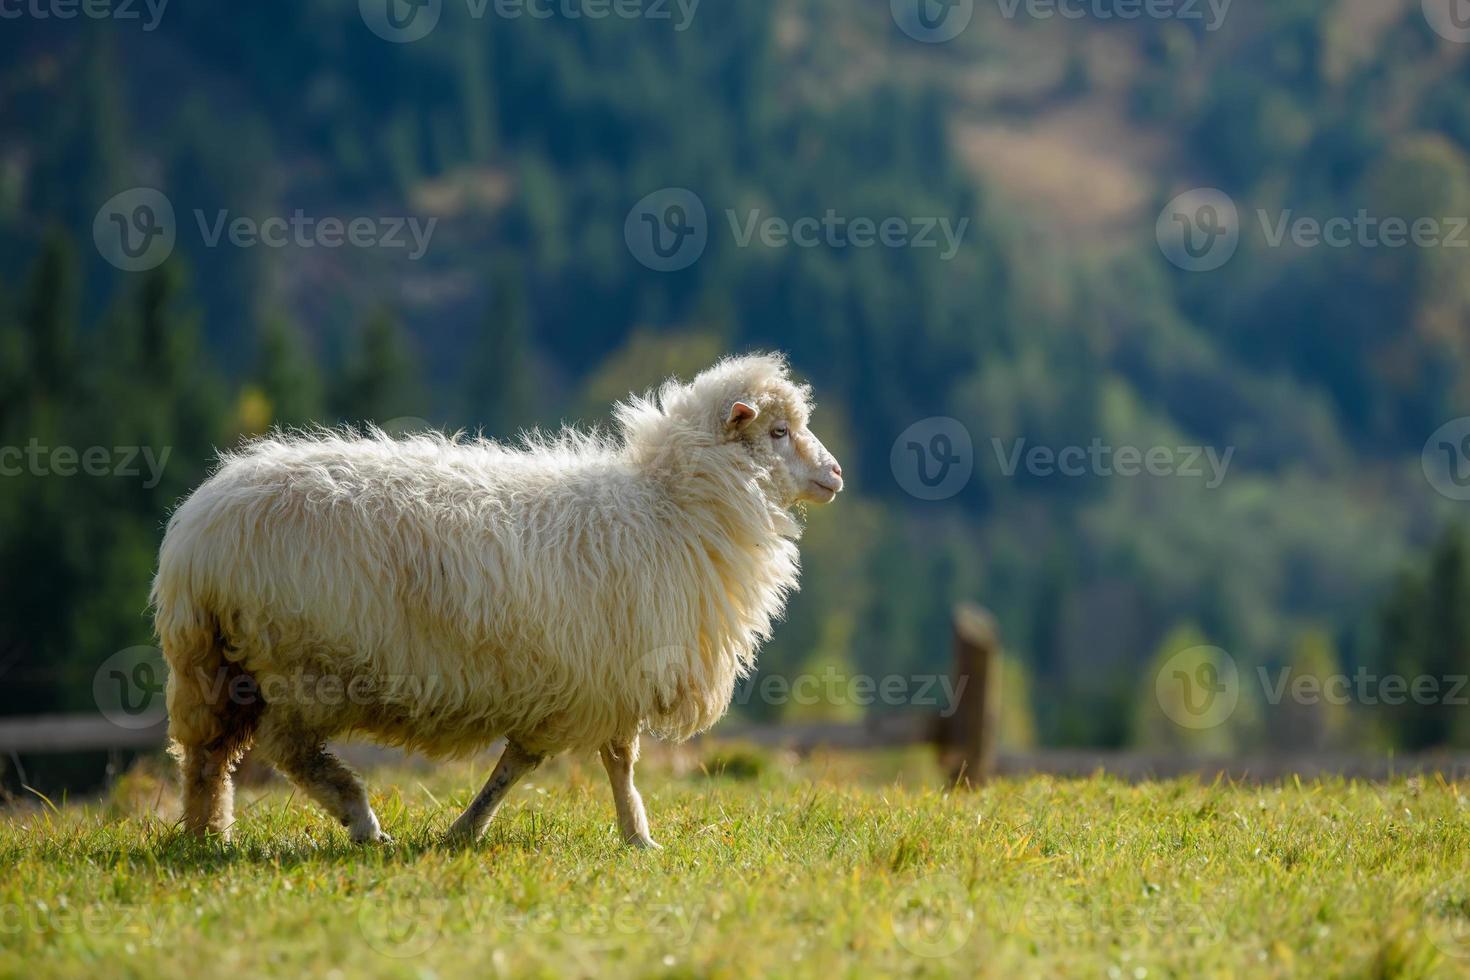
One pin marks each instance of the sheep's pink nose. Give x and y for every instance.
(836, 469)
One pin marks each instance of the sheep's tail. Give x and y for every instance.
(208, 706)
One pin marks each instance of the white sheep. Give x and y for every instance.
(442, 593)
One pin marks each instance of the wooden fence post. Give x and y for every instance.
(967, 742)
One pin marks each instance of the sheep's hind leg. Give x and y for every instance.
(209, 792)
(304, 759)
(514, 763)
(618, 758)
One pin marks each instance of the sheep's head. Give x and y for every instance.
(798, 467)
(766, 413)
(747, 407)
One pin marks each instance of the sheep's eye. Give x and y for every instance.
(779, 431)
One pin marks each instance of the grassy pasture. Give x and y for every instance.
(832, 867)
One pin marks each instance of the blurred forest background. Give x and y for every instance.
(1059, 321)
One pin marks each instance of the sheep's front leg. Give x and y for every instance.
(618, 758)
(513, 764)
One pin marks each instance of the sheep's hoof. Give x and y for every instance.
(644, 843)
(371, 835)
(460, 836)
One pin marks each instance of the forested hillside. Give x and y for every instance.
(1319, 373)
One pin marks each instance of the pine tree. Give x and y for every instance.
(49, 319)
(1193, 698)
(500, 385)
(162, 393)
(82, 151)
(287, 373)
(1424, 631)
(1310, 714)
(1447, 653)
(12, 367)
(380, 381)
(42, 537)
(1403, 640)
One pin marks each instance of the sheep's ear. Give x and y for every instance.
(740, 413)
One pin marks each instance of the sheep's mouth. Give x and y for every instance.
(824, 493)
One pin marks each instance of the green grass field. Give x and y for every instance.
(830, 868)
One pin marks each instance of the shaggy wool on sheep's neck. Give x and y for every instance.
(567, 592)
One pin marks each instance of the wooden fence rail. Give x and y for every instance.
(964, 735)
(42, 734)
